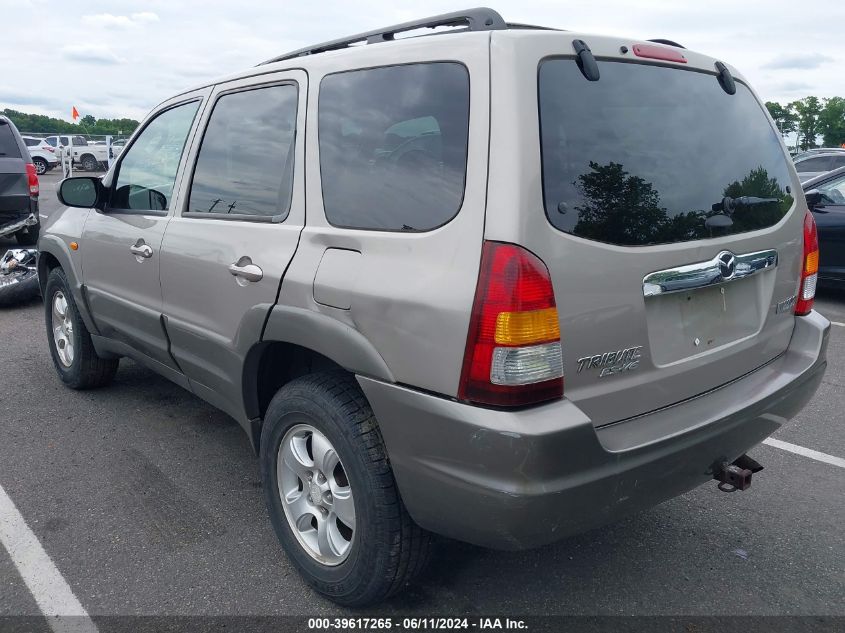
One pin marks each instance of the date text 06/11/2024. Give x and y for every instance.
(416, 624)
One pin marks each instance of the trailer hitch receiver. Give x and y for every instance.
(736, 476)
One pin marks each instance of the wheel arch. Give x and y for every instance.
(54, 253)
(298, 342)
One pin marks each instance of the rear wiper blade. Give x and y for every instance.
(728, 205)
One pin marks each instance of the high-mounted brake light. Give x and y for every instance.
(809, 268)
(32, 177)
(513, 353)
(659, 52)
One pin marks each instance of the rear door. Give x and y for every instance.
(14, 184)
(830, 219)
(121, 246)
(225, 252)
(664, 290)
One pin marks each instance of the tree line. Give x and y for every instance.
(41, 124)
(817, 122)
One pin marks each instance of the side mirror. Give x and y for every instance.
(814, 198)
(84, 192)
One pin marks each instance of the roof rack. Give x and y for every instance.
(480, 19)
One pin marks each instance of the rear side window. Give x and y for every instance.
(393, 145)
(245, 163)
(820, 163)
(837, 162)
(642, 155)
(50, 141)
(32, 142)
(8, 144)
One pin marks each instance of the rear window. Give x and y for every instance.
(642, 155)
(393, 145)
(819, 163)
(8, 144)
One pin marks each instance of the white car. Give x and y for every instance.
(89, 157)
(43, 154)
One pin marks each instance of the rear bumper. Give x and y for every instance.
(519, 479)
(22, 220)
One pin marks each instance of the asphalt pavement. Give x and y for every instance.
(148, 502)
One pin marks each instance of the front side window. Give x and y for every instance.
(245, 162)
(393, 145)
(833, 192)
(147, 173)
(647, 154)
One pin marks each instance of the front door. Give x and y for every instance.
(121, 245)
(238, 225)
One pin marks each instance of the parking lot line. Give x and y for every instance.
(806, 452)
(53, 595)
(837, 323)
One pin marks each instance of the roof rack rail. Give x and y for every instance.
(480, 19)
(667, 42)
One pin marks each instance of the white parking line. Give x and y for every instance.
(837, 323)
(806, 452)
(55, 598)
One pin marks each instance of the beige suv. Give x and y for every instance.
(502, 283)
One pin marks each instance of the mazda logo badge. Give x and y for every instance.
(727, 264)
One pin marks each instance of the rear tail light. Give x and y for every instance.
(809, 267)
(513, 353)
(47, 148)
(32, 176)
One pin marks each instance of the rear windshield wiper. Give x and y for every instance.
(722, 211)
(728, 205)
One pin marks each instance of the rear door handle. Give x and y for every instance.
(141, 249)
(246, 270)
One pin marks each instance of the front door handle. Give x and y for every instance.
(245, 270)
(141, 250)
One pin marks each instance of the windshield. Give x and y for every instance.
(643, 155)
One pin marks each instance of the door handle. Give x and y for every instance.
(141, 250)
(246, 270)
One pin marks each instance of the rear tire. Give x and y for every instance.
(386, 549)
(71, 348)
(89, 163)
(41, 166)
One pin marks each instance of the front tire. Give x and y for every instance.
(331, 494)
(71, 349)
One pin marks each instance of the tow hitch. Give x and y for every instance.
(736, 476)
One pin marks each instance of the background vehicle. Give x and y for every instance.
(18, 187)
(43, 154)
(817, 164)
(88, 156)
(826, 197)
(543, 203)
(817, 150)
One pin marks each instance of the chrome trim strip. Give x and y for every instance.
(723, 268)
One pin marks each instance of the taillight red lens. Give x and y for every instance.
(513, 353)
(32, 177)
(809, 267)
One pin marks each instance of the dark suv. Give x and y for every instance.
(18, 187)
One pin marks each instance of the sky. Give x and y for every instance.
(119, 58)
